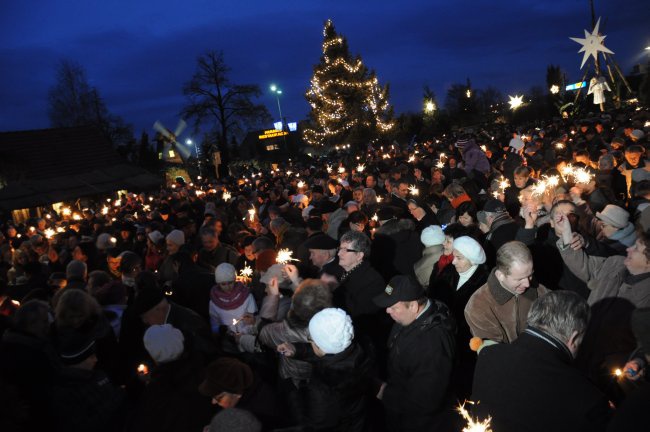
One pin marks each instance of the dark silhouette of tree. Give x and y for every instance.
(461, 103)
(347, 103)
(230, 108)
(73, 102)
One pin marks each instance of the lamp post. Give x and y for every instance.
(277, 93)
(189, 142)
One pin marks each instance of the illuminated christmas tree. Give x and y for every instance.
(348, 106)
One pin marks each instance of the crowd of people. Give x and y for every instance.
(368, 290)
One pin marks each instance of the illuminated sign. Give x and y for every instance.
(576, 86)
(293, 126)
(278, 125)
(272, 133)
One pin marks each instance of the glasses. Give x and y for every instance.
(347, 250)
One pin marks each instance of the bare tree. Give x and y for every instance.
(213, 98)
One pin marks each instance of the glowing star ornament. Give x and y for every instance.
(592, 44)
(555, 89)
(515, 101)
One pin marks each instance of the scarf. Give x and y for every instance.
(444, 261)
(464, 276)
(231, 300)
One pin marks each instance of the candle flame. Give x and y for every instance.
(251, 214)
(285, 256)
(618, 372)
(143, 369)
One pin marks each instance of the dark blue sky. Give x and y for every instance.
(139, 53)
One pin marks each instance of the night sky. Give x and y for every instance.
(139, 53)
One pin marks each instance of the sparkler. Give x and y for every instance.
(618, 373)
(361, 167)
(49, 233)
(76, 217)
(484, 148)
(226, 195)
(301, 184)
(341, 170)
(118, 203)
(413, 190)
(440, 164)
(379, 199)
(66, 211)
(411, 159)
(329, 169)
(246, 272)
(375, 217)
(143, 369)
(285, 256)
(504, 184)
(251, 214)
(60, 229)
(474, 425)
(104, 210)
(581, 175)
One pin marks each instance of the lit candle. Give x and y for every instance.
(143, 369)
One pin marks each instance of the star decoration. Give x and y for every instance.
(515, 101)
(592, 44)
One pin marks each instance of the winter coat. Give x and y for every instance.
(338, 389)
(444, 290)
(273, 335)
(171, 400)
(615, 293)
(221, 254)
(85, 400)
(531, 385)
(396, 248)
(424, 266)
(420, 361)
(475, 159)
(495, 313)
(622, 239)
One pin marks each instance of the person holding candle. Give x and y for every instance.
(230, 301)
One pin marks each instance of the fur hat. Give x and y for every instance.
(225, 272)
(331, 329)
(614, 215)
(164, 343)
(471, 249)
(432, 236)
(177, 237)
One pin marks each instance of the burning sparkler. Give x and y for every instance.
(341, 170)
(251, 214)
(226, 195)
(65, 211)
(285, 256)
(329, 169)
(413, 190)
(379, 199)
(76, 217)
(440, 164)
(105, 210)
(361, 167)
(474, 425)
(411, 159)
(246, 272)
(301, 184)
(375, 217)
(49, 233)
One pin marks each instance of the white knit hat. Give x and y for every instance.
(155, 236)
(614, 216)
(164, 342)
(177, 237)
(470, 249)
(225, 272)
(331, 329)
(432, 235)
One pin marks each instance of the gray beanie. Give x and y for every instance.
(235, 420)
(177, 237)
(225, 272)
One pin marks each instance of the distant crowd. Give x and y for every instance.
(371, 289)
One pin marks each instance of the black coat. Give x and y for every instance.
(338, 389)
(531, 385)
(171, 401)
(444, 290)
(420, 361)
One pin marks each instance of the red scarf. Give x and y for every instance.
(444, 261)
(231, 300)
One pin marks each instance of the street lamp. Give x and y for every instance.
(189, 142)
(277, 93)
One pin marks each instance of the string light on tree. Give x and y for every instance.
(345, 97)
